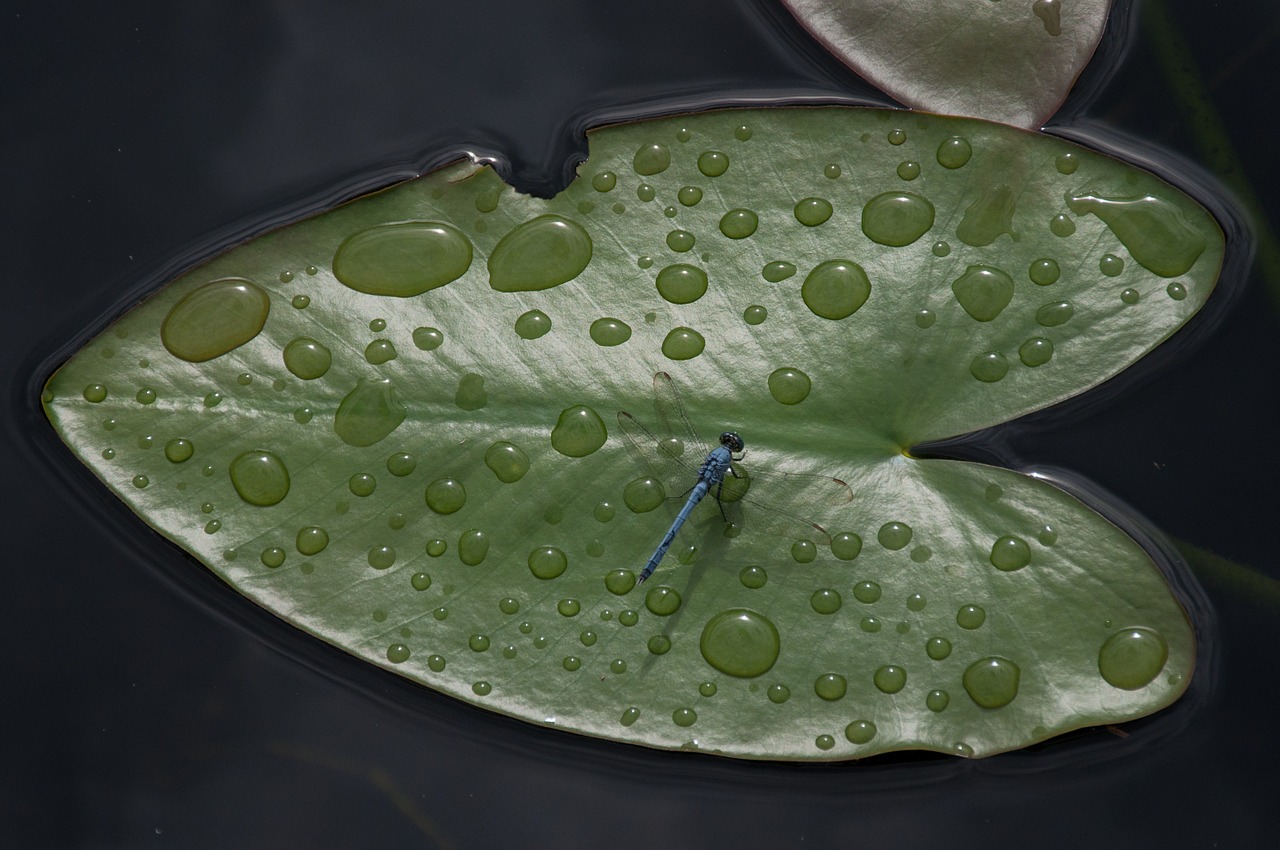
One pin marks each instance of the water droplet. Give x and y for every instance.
(381, 557)
(420, 581)
(954, 152)
(846, 546)
(571, 663)
(684, 717)
(870, 625)
(369, 413)
(789, 386)
(609, 332)
(983, 291)
(1176, 291)
(587, 637)
(908, 170)
(441, 613)
(812, 212)
(617, 666)
(507, 461)
(831, 171)
(740, 642)
(108, 454)
(531, 325)
(508, 606)
(941, 249)
(1132, 658)
(578, 432)
(260, 478)
(272, 557)
(683, 344)
(482, 689)
(835, 289)
(214, 319)
(380, 351)
(1055, 313)
(1047, 536)
(803, 552)
(604, 181)
(547, 562)
(650, 159)
(436, 547)
(937, 701)
(1036, 351)
(1111, 265)
(681, 283)
(1156, 233)
(680, 241)
(362, 484)
(689, 195)
(830, 686)
(713, 163)
(992, 682)
(628, 618)
(541, 253)
(403, 259)
(146, 395)
(894, 535)
(435, 663)
(95, 393)
(446, 496)
(866, 592)
(397, 653)
(916, 602)
(938, 648)
(753, 577)
(473, 546)
(742, 132)
(825, 601)
(860, 731)
(1062, 225)
(643, 495)
(897, 136)
(179, 450)
(896, 218)
(778, 694)
(662, 601)
(401, 464)
(140, 481)
(739, 223)
(212, 527)
(471, 394)
(1130, 296)
(890, 678)
(1010, 553)
(1066, 163)
(620, 582)
(755, 315)
(569, 607)
(989, 367)
(970, 617)
(311, 540)
(427, 339)
(631, 715)
(645, 192)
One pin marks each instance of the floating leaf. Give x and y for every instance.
(434, 481)
(1012, 62)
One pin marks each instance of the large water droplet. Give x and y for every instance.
(989, 217)
(890, 678)
(835, 289)
(1132, 658)
(578, 432)
(446, 495)
(954, 152)
(533, 324)
(1010, 553)
(992, 682)
(260, 478)
(307, 359)
(713, 163)
(1050, 14)
(682, 283)
(846, 546)
(1155, 231)
(368, 413)
(740, 642)
(403, 259)
(894, 535)
(214, 319)
(473, 546)
(789, 386)
(541, 253)
(643, 495)
(651, 159)
(896, 218)
(683, 344)
(812, 212)
(983, 291)
(547, 562)
(739, 223)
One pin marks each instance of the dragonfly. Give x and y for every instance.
(717, 472)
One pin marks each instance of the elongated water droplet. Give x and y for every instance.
(777, 270)
(402, 259)
(739, 223)
(541, 253)
(1155, 231)
(812, 212)
(215, 319)
(610, 332)
(473, 546)
(989, 217)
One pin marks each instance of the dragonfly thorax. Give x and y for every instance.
(732, 441)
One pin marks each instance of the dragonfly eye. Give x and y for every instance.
(731, 441)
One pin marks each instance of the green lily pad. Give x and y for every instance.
(394, 425)
(1010, 62)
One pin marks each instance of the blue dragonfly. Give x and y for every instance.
(718, 472)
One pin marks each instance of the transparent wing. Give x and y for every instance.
(672, 462)
(675, 421)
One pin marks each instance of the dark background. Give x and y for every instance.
(146, 704)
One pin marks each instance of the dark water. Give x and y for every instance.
(149, 705)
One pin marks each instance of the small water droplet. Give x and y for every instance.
(789, 386)
(941, 249)
(890, 678)
(831, 171)
(954, 152)
(938, 648)
(742, 132)
(937, 701)
(380, 351)
(713, 163)
(437, 547)
(830, 686)
(662, 601)
(571, 663)
(508, 605)
(643, 495)
(401, 464)
(95, 393)
(680, 241)
(684, 717)
(753, 577)
(420, 581)
(146, 395)
(897, 136)
(778, 694)
(651, 159)
(755, 315)
(689, 196)
(812, 212)
(777, 271)
(739, 223)
(179, 450)
(381, 557)
(645, 192)
(1130, 296)
(569, 607)
(445, 496)
(971, 617)
(311, 540)
(482, 689)
(683, 344)
(1047, 535)
(846, 546)
(272, 557)
(620, 582)
(1036, 351)
(825, 601)
(1111, 265)
(604, 181)
(916, 602)
(860, 731)
(896, 218)
(866, 592)
(989, 367)
(1062, 225)
(435, 663)
(473, 546)
(908, 170)
(610, 332)
(260, 478)
(1010, 553)
(894, 535)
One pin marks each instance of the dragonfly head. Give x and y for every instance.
(732, 441)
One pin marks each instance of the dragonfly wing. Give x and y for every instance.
(672, 415)
(676, 472)
(786, 503)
